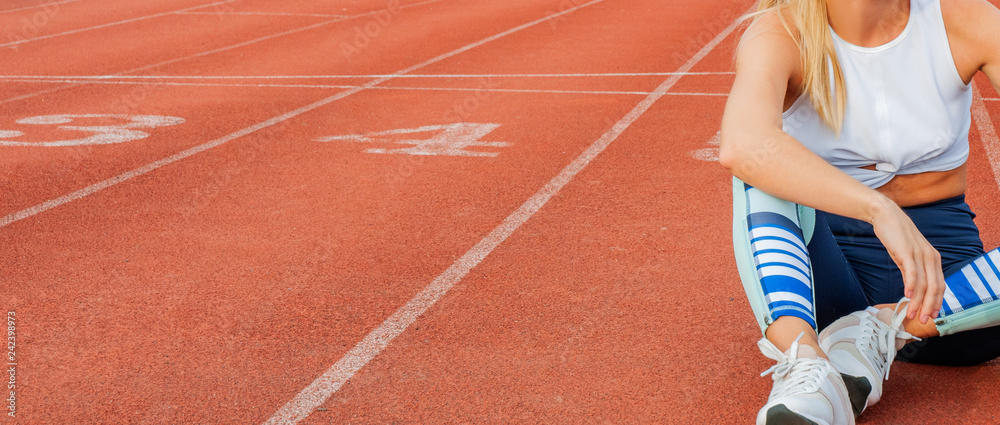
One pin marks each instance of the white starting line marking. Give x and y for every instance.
(709, 154)
(328, 86)
(333, 379)
(317, 77)
(991, 99)
(988, 133)
(449, 140)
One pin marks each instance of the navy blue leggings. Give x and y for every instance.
(852, 270)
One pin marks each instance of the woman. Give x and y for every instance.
(847, 135)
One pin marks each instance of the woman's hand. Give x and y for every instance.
(919, 262)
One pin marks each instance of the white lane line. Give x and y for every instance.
(210, 5)
(261, 14)
(45, 206)
(700, 94)
(222, 49)
(327, 86)
(333, 379)
(111, 24)
(988, 133)
(38, 6)
(317, 77)
(991, 99)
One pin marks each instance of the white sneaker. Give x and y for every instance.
(862, 346)
(807, 389)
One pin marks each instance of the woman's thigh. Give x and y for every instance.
(949, 226)
(837, 289)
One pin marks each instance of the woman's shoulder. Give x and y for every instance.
(967, 5)
(776, 23)
(970, 17)
(973, 28)
(771, 38)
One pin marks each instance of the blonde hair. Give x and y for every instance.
(817, 53)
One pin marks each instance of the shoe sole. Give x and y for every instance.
(858, 389)
(780, 415)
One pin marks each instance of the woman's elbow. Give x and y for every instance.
(742, 151)
(729, 152)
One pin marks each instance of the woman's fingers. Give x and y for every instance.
(935, 286)
(943, 287)
(909, 275)
(918, 261)
(917, 286)
(924, 282)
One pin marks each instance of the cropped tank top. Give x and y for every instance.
(908, 110)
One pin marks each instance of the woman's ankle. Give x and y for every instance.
(913, 326)
(786, 329)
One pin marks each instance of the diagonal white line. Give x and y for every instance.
(110, 24)
(334, 378)
(987, 133)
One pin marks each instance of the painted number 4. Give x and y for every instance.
(104, 134)
(447, 140)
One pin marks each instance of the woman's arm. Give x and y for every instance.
(756, 150)
(754, 147)
(974, 34)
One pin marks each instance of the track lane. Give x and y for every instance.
(270, 35)
(486, 352)
(144, 92)
(112, 50)
(59, 20)
(34, 175)
(160, 269)
(273, 257)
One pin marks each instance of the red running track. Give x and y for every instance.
(216, 270)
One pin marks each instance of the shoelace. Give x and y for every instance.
(791, 374)
(888, 337)
(881, 338)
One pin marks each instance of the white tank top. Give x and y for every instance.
(908, 110)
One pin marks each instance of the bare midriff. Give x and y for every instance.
(908, 190)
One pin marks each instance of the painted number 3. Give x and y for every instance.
(99, 134)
